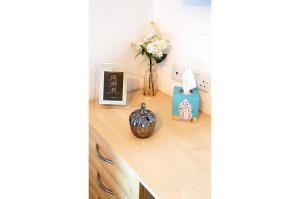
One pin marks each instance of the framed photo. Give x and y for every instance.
(113, 85)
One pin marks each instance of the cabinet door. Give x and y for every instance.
(102, 155)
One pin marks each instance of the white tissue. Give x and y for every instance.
(188, 80)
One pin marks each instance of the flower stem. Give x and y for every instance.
(150, 90)
(149, 83)
(150, 65)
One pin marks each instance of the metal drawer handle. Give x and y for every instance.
(101, 156)
(101, 185)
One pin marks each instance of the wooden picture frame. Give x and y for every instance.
(113, 85)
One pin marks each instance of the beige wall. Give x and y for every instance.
(115, 24)
(188, 28)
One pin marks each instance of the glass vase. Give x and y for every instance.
(150, 81)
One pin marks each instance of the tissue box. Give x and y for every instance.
(185, 107)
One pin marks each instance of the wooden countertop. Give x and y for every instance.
(174, 163)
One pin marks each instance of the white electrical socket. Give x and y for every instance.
(203, 81)
(177, 71)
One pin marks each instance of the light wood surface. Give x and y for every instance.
(174, 162)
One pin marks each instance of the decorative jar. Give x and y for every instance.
(142, 122)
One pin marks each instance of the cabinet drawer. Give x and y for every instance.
(103, 184)
(92, 193)
(102, 156)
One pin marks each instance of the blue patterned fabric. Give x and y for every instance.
(183, 105)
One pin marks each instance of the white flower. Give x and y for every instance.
(152, 35)
(156, 48)
(153, 25)
(150, 48)
(152, 43)
(159, 54)
(163, 44)
(154, 28)
(136, 46)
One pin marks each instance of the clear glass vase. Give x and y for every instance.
(150, 81)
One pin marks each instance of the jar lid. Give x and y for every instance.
(142, 117)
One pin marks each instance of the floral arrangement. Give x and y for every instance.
(153, 46)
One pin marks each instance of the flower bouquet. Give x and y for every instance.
(154, 47)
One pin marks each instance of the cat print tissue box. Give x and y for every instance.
(185, 106)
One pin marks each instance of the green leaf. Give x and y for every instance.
(139, 54)
(161, 59)
(149, 55)
(144, 51)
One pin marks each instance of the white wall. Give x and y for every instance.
(114, 24)
(188, 29)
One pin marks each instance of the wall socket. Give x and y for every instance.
(177, 71)
(202, 79)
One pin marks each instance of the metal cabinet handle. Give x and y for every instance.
(101, 185)
(101, 156)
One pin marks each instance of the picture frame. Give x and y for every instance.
(112, 85)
